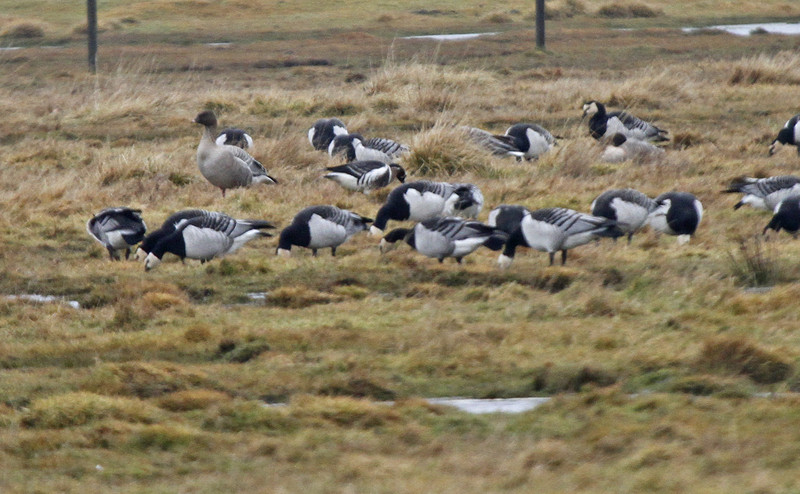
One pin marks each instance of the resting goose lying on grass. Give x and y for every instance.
(603, 125)
(365, 176)
(318, 227)
(553, 229)
(677, 213)
(355, 148)
(225, 166)
(423, 200)
(323, 131)
(764, 193)
(622, 148)
(117, 228)
(205, 237)
(628, 207)
(446, 237)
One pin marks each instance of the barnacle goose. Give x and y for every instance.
(423, 200)
(318, 227)
(553, 229)
(235, 137)
(117, 228)
(169, 226)
(507, 217)
(365, 176)
(205, 237)
(355, 148)
(226, 166)
(789, 134)
(764, 193)
(677, 213)
(787, 216)
(442, 237)
(323, 131)
(603, 125)
(528, 141)
(628, 207)
(622, 148)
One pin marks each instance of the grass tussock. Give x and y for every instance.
(75, 409)
(341, 411)
(755, 263)
(740, 356)
(166, 437)
(192, 399)
(23, 29)
(632, 10)
(780, 68)
(142, 380)
(561, 9)
(241, 352)
(298, 297)
(445, 151)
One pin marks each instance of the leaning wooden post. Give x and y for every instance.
(540, 24)
(91, 29)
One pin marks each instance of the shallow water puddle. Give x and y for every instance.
(43, 299)
(450, 37)
(749, 29)
(495, 405)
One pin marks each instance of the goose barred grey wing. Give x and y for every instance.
(570, 221)
(495, 144)
(387, 146)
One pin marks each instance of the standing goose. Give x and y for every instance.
(764, 193)
(355, 148)
(788, 135)
(166, 228)
(553, 229)
(365, 176)
(603, 125)
(226, 166)
(629, 208)
(323, 131)
(787, 216)
(117, 228)
(622, 148)
(318, 227)
(446, 237)
(677, 213)
(235, 137)
(205, 237)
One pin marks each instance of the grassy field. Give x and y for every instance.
(672, 369)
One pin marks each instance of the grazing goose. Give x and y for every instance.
(677, 213)
(528, 141)
(365, 176)
(355, 148)
(117, 228)
(446, 237)
(553, 229)
(787, 216)
(205, 237)
(423, 200)
(788, 135)
(318, 227)
(465, 201)
(629, 208)
(169, 226)
(507, 217)
(235, 137)
(764, 193)
(226, 166)
(603, 125)
(323, 131)
(622, 148)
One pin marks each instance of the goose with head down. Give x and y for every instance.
(318, 227)
(365, 176)
(603, 124)
(117, 228)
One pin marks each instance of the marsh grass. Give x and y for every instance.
(755, 264)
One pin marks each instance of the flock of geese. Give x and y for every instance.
(445, 213)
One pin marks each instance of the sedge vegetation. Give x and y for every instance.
(657, 356)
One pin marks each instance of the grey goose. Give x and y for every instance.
(226, 166)
(116, 229)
